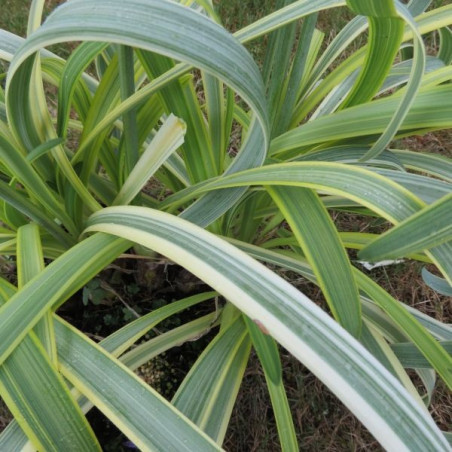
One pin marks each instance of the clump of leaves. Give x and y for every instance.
(313, 139)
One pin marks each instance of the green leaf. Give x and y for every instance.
(13, 439)
(129, 150)
(147, 26)
(148, 350)
(181, 99)
(445, 49)
(410, 357)
(426, 188)
(266, 349)
(73, 69)
(284, 16)
(22, 169)
(297, 323)
(385, 35)
(374, 340)
(440, 285)
(169, 137)
(268, 354)
(409, 324)
(299, 70)
(140, 412)
(432, 351)
(426, 229)
(318, 237)
(40, 400)
(417, 71)
(207, 394)
(30, 262)
(433, 164)
(378, 193)
(126, 336)
(74, 268)
(38, 397)
(22, 204)
(431, 109)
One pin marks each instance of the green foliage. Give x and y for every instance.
(168, 137)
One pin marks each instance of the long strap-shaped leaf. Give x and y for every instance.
(137, 409)
(126, 336)
(31, 384)
(23, 170)
(30, 262)
(385, 35)
(35, 123)
(54, 285)
(410, 357)
(362, 121)
(428, 228)
(169, 137)
(147, 25)
(148, 350)
(207, 394)
(428, 22)
(181, 99)
(318, 237)
(284, 16)
(438, 284)
(417, 71)
(13, 439)
(22, 204)
(388, 199)
(435, 354)
(298, 324)
(399, 313)
(434, 164)
(378, 193)
(40, 400)
(445, 50)
(428, 189)
(73, 69)
(268, 353)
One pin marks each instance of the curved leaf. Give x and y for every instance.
(75, 267)
(426, 229)
(299, 325)
(138, 410)
(317, 236)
